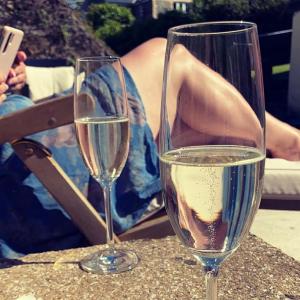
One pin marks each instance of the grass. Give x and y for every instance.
(280, 69)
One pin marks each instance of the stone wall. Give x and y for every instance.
(52, 29)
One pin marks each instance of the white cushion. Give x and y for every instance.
(44, 82)
(282, 179)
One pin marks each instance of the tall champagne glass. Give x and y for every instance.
(212, 140)
(102, 128)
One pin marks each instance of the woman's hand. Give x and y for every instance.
(17, 75)
(3, 89)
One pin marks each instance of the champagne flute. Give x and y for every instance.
(212, 138)
(102, 128)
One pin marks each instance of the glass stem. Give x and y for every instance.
(211, 279)
(108, 217)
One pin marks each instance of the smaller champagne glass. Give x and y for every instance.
(103, 133)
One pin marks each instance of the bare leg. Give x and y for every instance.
(227, 112)
(145, 64)
(283, 140)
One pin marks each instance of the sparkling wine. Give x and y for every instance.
(104, 143)
(211, 195)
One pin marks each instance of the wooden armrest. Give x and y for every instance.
(158, 226)
(44, 115)
(38, 159)
(52, 113)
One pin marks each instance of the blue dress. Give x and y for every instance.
(32, 221)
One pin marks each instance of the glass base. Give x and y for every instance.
(109, 261)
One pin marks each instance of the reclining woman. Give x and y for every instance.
(31, 220)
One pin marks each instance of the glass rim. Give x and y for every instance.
(248, 26)
(98, 58)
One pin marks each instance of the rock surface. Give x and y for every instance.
(166, 271)
(52, 29)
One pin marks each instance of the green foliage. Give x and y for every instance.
(270, 15)
(109, 28)
(100, 14)
(225, 9)
(198, 5)
(116, 24)
(143, 30)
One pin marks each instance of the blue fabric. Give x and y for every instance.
(32, 221)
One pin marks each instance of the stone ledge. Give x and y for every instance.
(166, 271)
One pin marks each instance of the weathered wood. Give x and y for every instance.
(43, 115)
(157, 227)
(38, 159)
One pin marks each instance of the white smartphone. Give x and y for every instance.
(10, 43)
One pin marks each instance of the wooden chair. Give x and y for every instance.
(57, 112)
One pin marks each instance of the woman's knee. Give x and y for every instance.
(156, 44)
(153, 47)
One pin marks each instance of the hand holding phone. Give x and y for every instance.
(11, 41)
(3, 89)
(17, 75)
